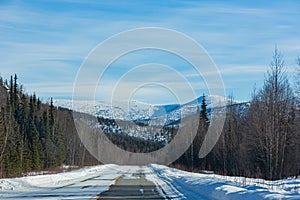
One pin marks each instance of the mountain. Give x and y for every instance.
(139, 111)
(141, 120)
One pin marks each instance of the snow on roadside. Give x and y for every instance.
(163, 186)
(49, 180)
(47, 185)
(211, 186)
(171, 183)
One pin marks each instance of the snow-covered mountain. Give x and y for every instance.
(139, 111)
(138, 119)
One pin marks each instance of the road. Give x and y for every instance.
(117, 182)
(134, 187)
(142, 182)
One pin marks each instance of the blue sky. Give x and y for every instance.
(45, 42)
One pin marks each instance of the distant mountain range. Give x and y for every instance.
(139, 111)
(142, 120)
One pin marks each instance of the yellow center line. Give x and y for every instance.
(115, 182)
(96, 197)
(116, 179)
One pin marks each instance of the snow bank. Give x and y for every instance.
(61, 185)
(188, 185)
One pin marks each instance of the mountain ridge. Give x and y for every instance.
(137, 110)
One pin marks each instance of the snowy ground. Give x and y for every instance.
(186, 185)
(88, 182)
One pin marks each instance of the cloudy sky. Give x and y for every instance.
(46, 42)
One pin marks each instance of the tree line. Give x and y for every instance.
(260, 138)
(38, 136)
(30, 137)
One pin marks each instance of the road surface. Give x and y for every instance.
(134, 187)
(116, 182)
(144, 182)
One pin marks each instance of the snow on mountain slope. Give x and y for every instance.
(136, 110)
(150, 122)
(118, 110)
(171, 183)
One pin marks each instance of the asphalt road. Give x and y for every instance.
(134, 187)
(125, 182)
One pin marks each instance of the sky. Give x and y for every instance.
(46, 42)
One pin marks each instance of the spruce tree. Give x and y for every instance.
(27, 156)
(51, 119)
(11, 89)
(203, 112)
(3, 135)
(15, 91)
(60, 146)
(35, 147)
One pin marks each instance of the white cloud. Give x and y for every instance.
(48, 45)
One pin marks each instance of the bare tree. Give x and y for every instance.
(270, 117)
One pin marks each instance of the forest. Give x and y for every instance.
(260, 138)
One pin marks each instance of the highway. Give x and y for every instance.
(116, 182)
(136, 187)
